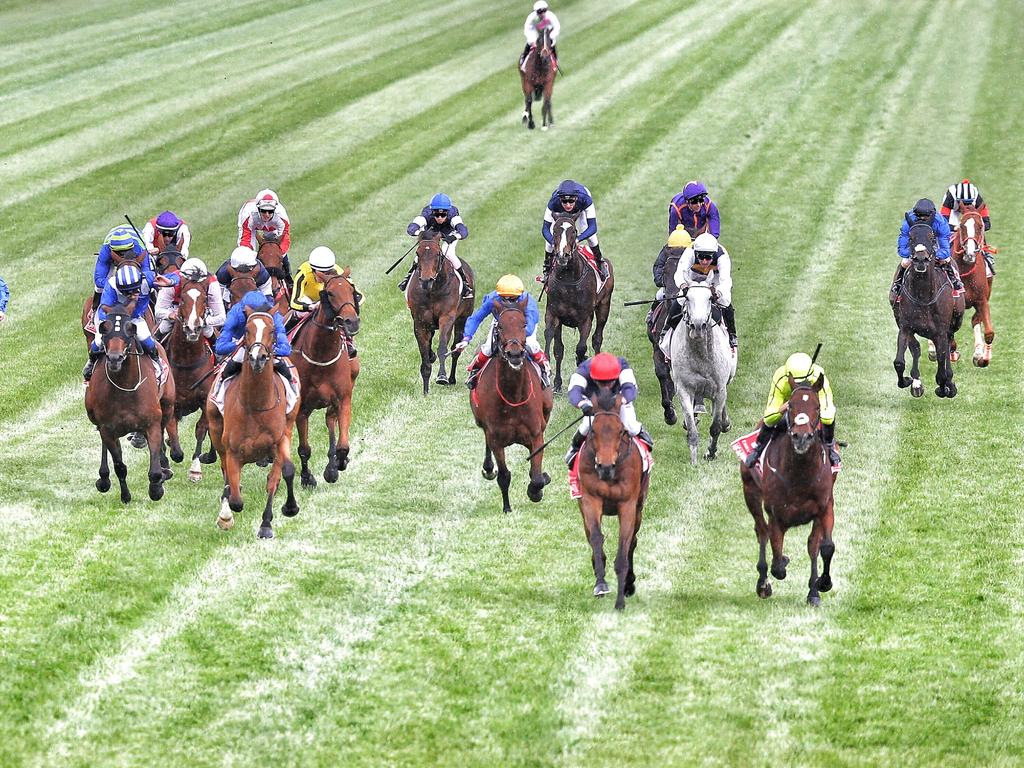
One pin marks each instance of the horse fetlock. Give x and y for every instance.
(236, 506)
(824, 584)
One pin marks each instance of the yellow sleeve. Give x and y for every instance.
(828, 408)
(298, 289)
(777, 397)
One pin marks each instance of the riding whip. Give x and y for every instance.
(388, 272)
(641, 303)
(139, 234)
(557, 434)
(815, 355)
(207, 375)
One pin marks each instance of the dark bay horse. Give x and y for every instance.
(241, 283)
(612, 482)
(537, 76)
(926, 307)
(271, 257)
(511, 407)
(969, 249)
(436, 304)
(191, 360)
(127, 397)
(794, 488)
(573, 298)
(328, 374)
(255, 426)
(655, 325)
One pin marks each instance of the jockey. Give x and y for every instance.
(166, 229)
(574, 199)
(584, 384)
(243, 259)
(800, 369)
(309, 281)
(536, 23)
(966, 193)
(169, 299)
(705, 262)
(261, 216)
(924, 213)
(130, 288)
(442, 217)
(694, 210)
(509, 292)
(5, 296)
(232, 339)
(123, 242)
(674, 248)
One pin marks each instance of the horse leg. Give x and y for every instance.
(752, 495)
(690, 423)
(779, 560)
(442, 352)
(600, 320)
(487, 470)
(828, 548)
(664, 374)
(900, 361)
(423, 339)
(916, 385)
(538, 477)
(460, 326)
(154, 436)
(528, 110)
(113, 446)
(553, 332)
(943, 368)
(813, 546)
(333, 430)
(266, 530)
(305, 451)
(170, 426)
(581, 345)
(591, 509)
(103, 482)
(546, 113)
(627, 525)
(195, 470)
(233, 479)
(504, 477)
(630, 574)
(718, 408)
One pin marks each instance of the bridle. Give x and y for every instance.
(192, 334)
(427, 248)
(625, 447)
(120, 323)
(683, 294)
(334, 324)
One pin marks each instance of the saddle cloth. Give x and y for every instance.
(742, 446)
(533, 50)
(291, 390)
(473, 394)
(574, 472)
(588, 256)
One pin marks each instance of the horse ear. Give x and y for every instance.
(792, 383)
(346, 272)
(104, 327)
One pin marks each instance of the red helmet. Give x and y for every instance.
(605, 367)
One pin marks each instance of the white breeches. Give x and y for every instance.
(531, 342)
(628, 415)
(141, 331)
(167, 323)
(660, 294)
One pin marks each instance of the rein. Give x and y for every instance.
(502, 354)
(142, 379)
(905, 291)
(620, 455)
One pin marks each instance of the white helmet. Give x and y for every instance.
(322, 258)
(540, 5)
(706, 243)
(194, 266)
(267, 200)
(243, 256)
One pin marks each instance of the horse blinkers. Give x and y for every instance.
(350, 325)
(117, 326)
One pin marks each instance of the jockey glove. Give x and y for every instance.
(450, 238)
(587, 407)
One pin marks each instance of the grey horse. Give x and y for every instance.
(702, 364)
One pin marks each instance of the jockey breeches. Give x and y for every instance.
(628, 415)
(488, 348)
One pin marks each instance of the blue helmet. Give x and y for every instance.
(440, 202)
(256, 300)
(128, 278)
(568, 188)
(694, 190)
(121, 238)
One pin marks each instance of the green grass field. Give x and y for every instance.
(401, 619)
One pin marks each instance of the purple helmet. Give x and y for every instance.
(167, 222)
(694, 189)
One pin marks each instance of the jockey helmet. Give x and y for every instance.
(440, 202)
(540, 6)
(256, 300)
(679, 238)
(128, 279)
(121, 239)
(705, 246)
(510, 286)
(924, 209)
(966, 192)
(243, 256)
(194, 268)
(799, 366)
(568, 189)
(694, 191)
(267, 200)
(322, 258)
(168, 223)
(605, 367)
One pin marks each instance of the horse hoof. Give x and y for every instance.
(709, 455)
(779, 568)
(167, 475)
(932, 355)
(954, 357)
(138, 440)
(940, 391)
(195, 475)
(951, 390)
(308, 481)
(263, 463)
(903, 382)
(441, 380)
(630, 589)
(547, 478)
(289, 511)
(543, 127)
(601, 589)
(331, 475)
(670, 416)
(488, 475)
(983, 363)
(103, 484)
(265, 532)
(535, 494)
(917, 390)
(226, 523)
(814, 600)
(764, 591)
(208, 458)
(126, 497)
(557, 388)
(620, 603)
(156, 491)
(177, 456)
(824, 584)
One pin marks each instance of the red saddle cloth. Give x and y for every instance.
(742, 446)
(574, 471)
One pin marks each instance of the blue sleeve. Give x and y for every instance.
(223, 276)
(590, 231)
(485, 308)
(230, 332)
(282, 348)
(714, 224)
(942, 232)
(108, 299)
(903, 243)
(262, 276)
(532, 314)
(147, 267)
(412, 229)
(461, 229)
(5, 295)
(576, 393)
(102, 271)
(546, 231)
(627, 381)
(141, 306)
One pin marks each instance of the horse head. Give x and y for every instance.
(243, 280)
(338, 303)
(922, 247)
(168, 260)
(803, 414)
(610, 442)
(271, 256)
(120, 258)
(192, 309)
(511, 341)
(118, 333)
(429, 260)
(259, 338)
(697, 300)
(563, 231)
(969, 238)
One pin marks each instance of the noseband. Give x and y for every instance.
(625, 440)
(333, 313)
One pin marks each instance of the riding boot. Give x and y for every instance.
(91, 365)
(350, 346)
(545, 368)
(602, 267)
(231, 368)
(281, 367)
(574, 448)
(897, 283)
(96, 301)
(758, 446)
(650, 314)
(828, 437)
(675, 312)
(645, 438)
(154, 355)
(950, 270)
(405, 280)
(524, 54)
(729, 315)
(288, 279)
(990, 260)
(467, 286)
(474, 369)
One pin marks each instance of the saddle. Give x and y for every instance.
(588, 258)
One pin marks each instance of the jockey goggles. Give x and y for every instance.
(703, 255)
(568, 199)
(697, 199)
(439, 213)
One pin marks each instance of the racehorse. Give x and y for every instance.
(511, 407)
(435, 302)
(612, 482)
(126, 398)
(794, 488)
(702, 364)
(271, 257)
(926, 307)
(573, 298)
(255, 426)
(537, 76)
(320, 352)
(242, 281)
(662, 365)
(191, 360)
(968, 244)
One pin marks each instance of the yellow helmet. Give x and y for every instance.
(510, 286)
(798, 365)
(679, 238)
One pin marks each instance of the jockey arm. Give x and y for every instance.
(659, 267)
(545, 228)
(556, 27)
(264, 282)
(903, 242)
(282, 347)
(486, 308)
(233, 332)
(165, 305)
(458, 225)
(681, 279)
(102, 270)
(245, 233)
(417, 225)
(530, 30)
(284, 235)
(724, 282)
(713, 223)
(532, 315)
(590, 212)
(941, 227)
(214, 304)
(185, 236)
(148, 233)
(301, 301)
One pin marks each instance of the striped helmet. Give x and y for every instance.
(267, 200)
(121, 238)
(965, 192)
(128, 279)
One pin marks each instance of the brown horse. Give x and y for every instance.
(242, 282)
(537, 76)
(271, 257)
(926, 307)
(511, 407)
(612, 481)
(968, 245)
(191, 360)
(436, 304)
(573, 298)
(255, 426)
(794, 488)
(655, 325)
(127, 397)
(320, 352)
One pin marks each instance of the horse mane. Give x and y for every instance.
(606, 398)
(429, 234)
